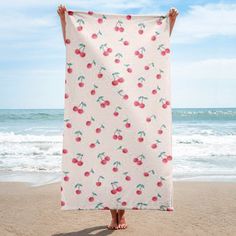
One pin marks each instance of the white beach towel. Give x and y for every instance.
(117, 140)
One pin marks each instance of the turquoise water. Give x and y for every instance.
(203, 142)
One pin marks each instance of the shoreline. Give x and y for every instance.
(35, 179)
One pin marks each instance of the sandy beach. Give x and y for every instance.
(201, 208)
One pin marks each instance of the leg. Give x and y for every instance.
(114, 220)
(121, 220)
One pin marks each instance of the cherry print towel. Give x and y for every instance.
(117, 139)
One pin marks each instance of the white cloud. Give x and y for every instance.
(218, 69)
(83, 4)
(203, 21)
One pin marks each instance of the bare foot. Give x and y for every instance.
(113, 224)
(122, 222)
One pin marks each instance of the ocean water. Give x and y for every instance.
(204, 144)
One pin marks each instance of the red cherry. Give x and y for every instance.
(140, 31)
(69, 70)
(153, 38)
(78, 139)
(107, 102)
(68, 125)
(79, 28)
(154, 145)
(140, 55)
(126, 43)
(88, 123)
(80, 163)
(120, 80)
(125, 96)
(139, 162)
(100, 75)
(100, 20)
(78, 191)
(66, 178)
(128, 178)
(140, 139)
(139, 192)
(113, 191)
(154, 91)
(117, 60)
(103, 104)
(163, 53)
(119, 189)
(124, 150)
(80, 110)
(81, 84)
(140, 85)
(105, 53)
(92, 92)
(77, 51)
(164, 160)
(82, 54)
(75, 108)
(154, 198)
(94, 36)
(164, 105)
(167, 50)
(103, 161)
(141, 105)
(98, 130)
(64, 151)
(91, 199)
(67, 41)
(127, 125)
(160, 131)
(114, 82)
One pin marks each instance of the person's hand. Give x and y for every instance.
(61, 12)
(173, 13)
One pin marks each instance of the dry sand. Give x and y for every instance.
(201, 208)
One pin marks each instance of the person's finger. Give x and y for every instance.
(170, 13)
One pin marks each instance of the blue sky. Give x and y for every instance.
(203, 62)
